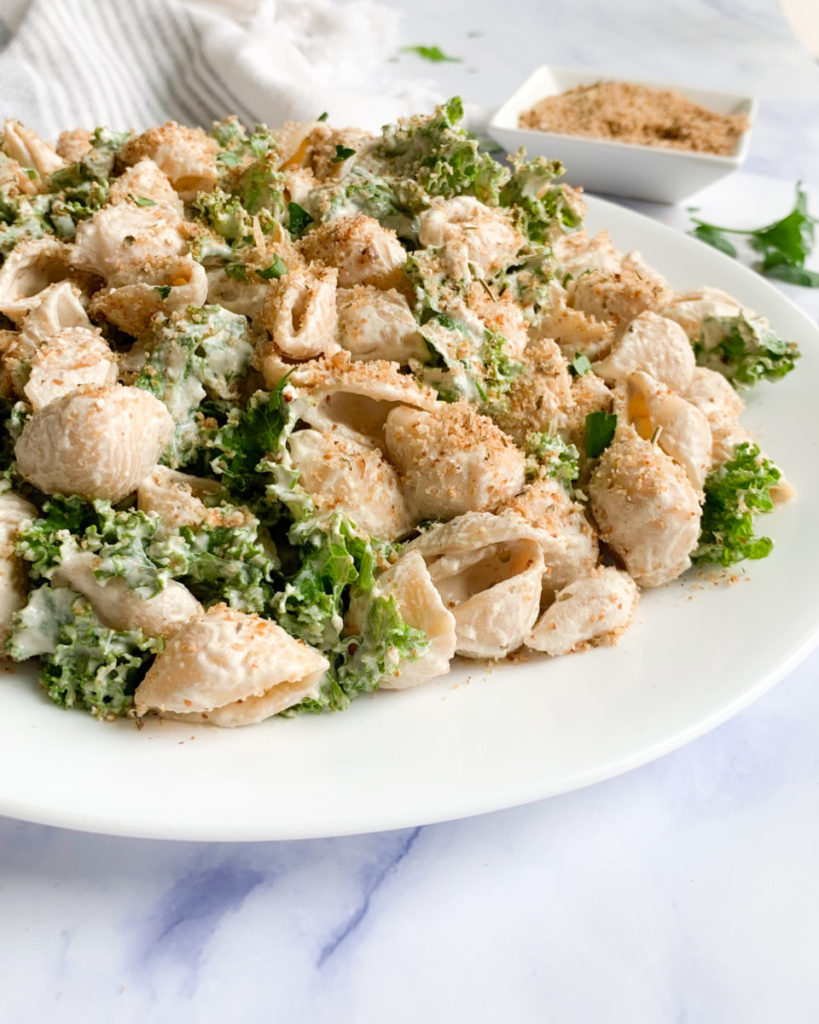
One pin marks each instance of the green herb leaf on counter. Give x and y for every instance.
(434, 54)
(783, 245)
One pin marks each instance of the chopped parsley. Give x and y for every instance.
(783, 245)
(600, 428)
(277, 269)
(434, 54)
(342, 153)
(298, 219)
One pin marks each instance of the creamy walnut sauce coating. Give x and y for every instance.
(293, 415)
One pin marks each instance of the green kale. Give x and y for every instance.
(95, 165)
(744, 349)
(342, 153)
(783, 245)
(23, 218)
(245, 450)
(85, 664)
(226, 215)
(557, 458)
(734, 494)
(600, 428)
(225, 560)
(441, 156)
(465, 363)
(359, 663)
(261, 187)
(333, 556)
(393, 204)
(537, 203)
(200, 351)
(120, 539)
(13, 416)
(580, 365)
(234, 141)
(277, 269)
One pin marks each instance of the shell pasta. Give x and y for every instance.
(294, 415)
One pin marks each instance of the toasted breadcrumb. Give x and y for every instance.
(628, 112)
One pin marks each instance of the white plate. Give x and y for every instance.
(476, 740)
(620, 168)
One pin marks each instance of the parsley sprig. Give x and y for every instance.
(783, 245)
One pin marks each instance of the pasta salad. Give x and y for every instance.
(290, 416)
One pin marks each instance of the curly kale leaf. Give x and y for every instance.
(333, 557)
(81, 189)
(537, 203)
(85, 664)
(441, 156)
(23, 218)
(121, 540)
(554, 456)
(465, 363)
(360, 662)
(47, 540)
(201, 351)
(224, 560)
(744, 349)
(394, 204)
(261, 187)
(13, 416)
(734, 494)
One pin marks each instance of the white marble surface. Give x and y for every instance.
(686, 891)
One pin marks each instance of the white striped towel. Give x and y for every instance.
(133, 63)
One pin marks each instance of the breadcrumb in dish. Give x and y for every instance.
(639, 114)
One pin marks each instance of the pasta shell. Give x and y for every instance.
(97, 443)
(28, 270)
(361, 249)
(29, 150)
(74, 358)
(230, 668)
(57, 306)
(679, 427)
(341, 473)
(356, 397)
(452, 460)
(654, 345)
(186, 155)
(487, 234)
(567, 539)
(131, 306)
(592, 609)
(14, 511)
(120, 608)
(98, 245)
(377, 324)
(488, 572)
(646, 509)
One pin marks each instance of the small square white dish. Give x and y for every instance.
(620, 168)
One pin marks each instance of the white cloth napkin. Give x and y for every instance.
(133, 63)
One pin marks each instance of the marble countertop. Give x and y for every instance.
(684, 891)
